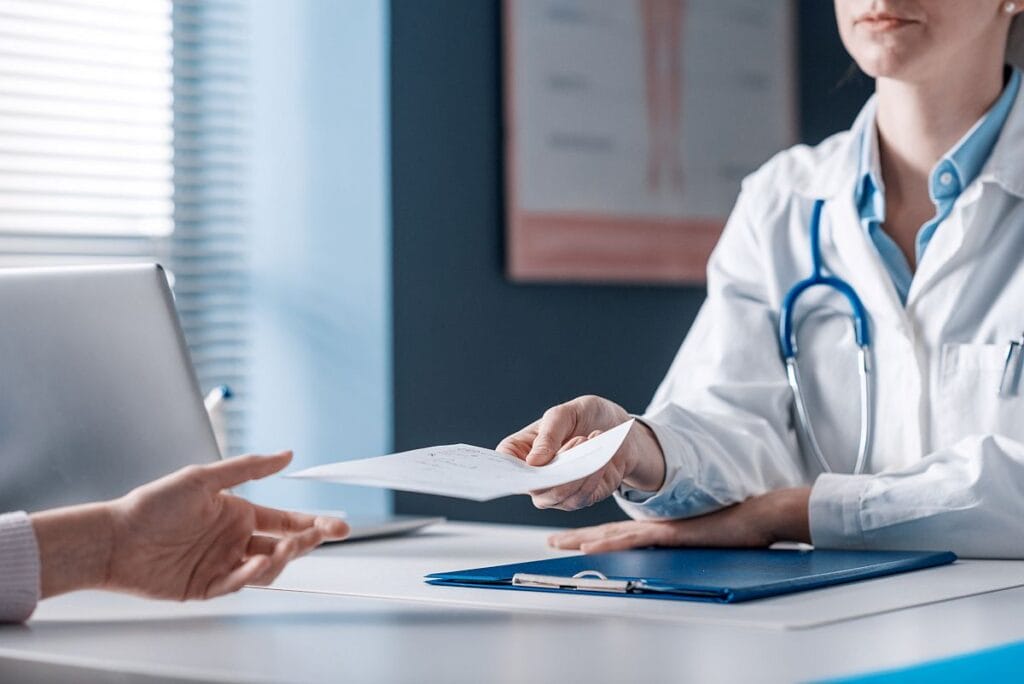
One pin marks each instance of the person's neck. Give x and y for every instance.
(920, 121)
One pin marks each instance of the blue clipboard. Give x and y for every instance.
(711, 575)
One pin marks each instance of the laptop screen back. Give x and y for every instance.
(97, 391)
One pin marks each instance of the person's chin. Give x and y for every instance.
(882, 61)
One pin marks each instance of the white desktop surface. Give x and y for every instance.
(261, 635)
(397, 569)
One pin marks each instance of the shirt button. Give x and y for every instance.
(945, 178)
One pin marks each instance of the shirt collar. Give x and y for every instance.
(870, 187)
(964, 162)
(955, 170)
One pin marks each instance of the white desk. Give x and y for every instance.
(260, 635)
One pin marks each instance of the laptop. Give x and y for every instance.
(97, 390)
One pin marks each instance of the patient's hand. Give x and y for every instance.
(180, 537)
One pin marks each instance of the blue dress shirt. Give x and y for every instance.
(955, 171)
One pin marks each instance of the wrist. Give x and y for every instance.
(645, 465)
(786, 514)
(75, 545)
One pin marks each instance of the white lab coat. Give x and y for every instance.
(947, 464)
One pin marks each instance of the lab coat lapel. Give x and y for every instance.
(854, 258)
(847, 250)
(897, 427)
(944, 245)
(970, 223)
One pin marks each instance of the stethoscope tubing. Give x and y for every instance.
(789, 348)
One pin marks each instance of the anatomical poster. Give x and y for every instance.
(629, 126)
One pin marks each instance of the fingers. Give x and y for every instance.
(562, 497)
(274, 521)
(331, 529)
(261, 545)
(285, 550)
(268, 556)
(637, 539)
(235, 471)
(288, 549)
(239, 577)
(616, 536)
(571, 539)
(300, 543)
(574, 442)
(518, 443)
(557, 426)
(583, 492)
(542, 440)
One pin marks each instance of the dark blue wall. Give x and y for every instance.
(476, 356)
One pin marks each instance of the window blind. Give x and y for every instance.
(209, 254)
(86, 168)
(123, 137)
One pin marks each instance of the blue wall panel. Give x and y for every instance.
(321, 245)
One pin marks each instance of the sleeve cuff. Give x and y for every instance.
(834, 511)
(664, 503)
(19, 567)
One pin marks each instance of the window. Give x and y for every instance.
(85, 125)
(123, 138)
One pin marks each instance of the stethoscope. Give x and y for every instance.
(788, 345)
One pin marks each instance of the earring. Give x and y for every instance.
(1009, 7)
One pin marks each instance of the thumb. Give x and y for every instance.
(555, 427)
(544, 449)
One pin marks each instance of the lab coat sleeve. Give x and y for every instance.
(968, 498)
(722, 414)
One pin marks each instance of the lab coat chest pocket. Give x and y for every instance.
(968, 394)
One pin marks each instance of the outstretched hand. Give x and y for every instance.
(180, 537)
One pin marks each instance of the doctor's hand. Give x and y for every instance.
(180, 537)
(639, 462)
(760, 521)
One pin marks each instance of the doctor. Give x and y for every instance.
(922, 214)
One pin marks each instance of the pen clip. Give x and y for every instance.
(588, 580)
(1010, 379)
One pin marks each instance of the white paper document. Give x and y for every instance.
(469, 472)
